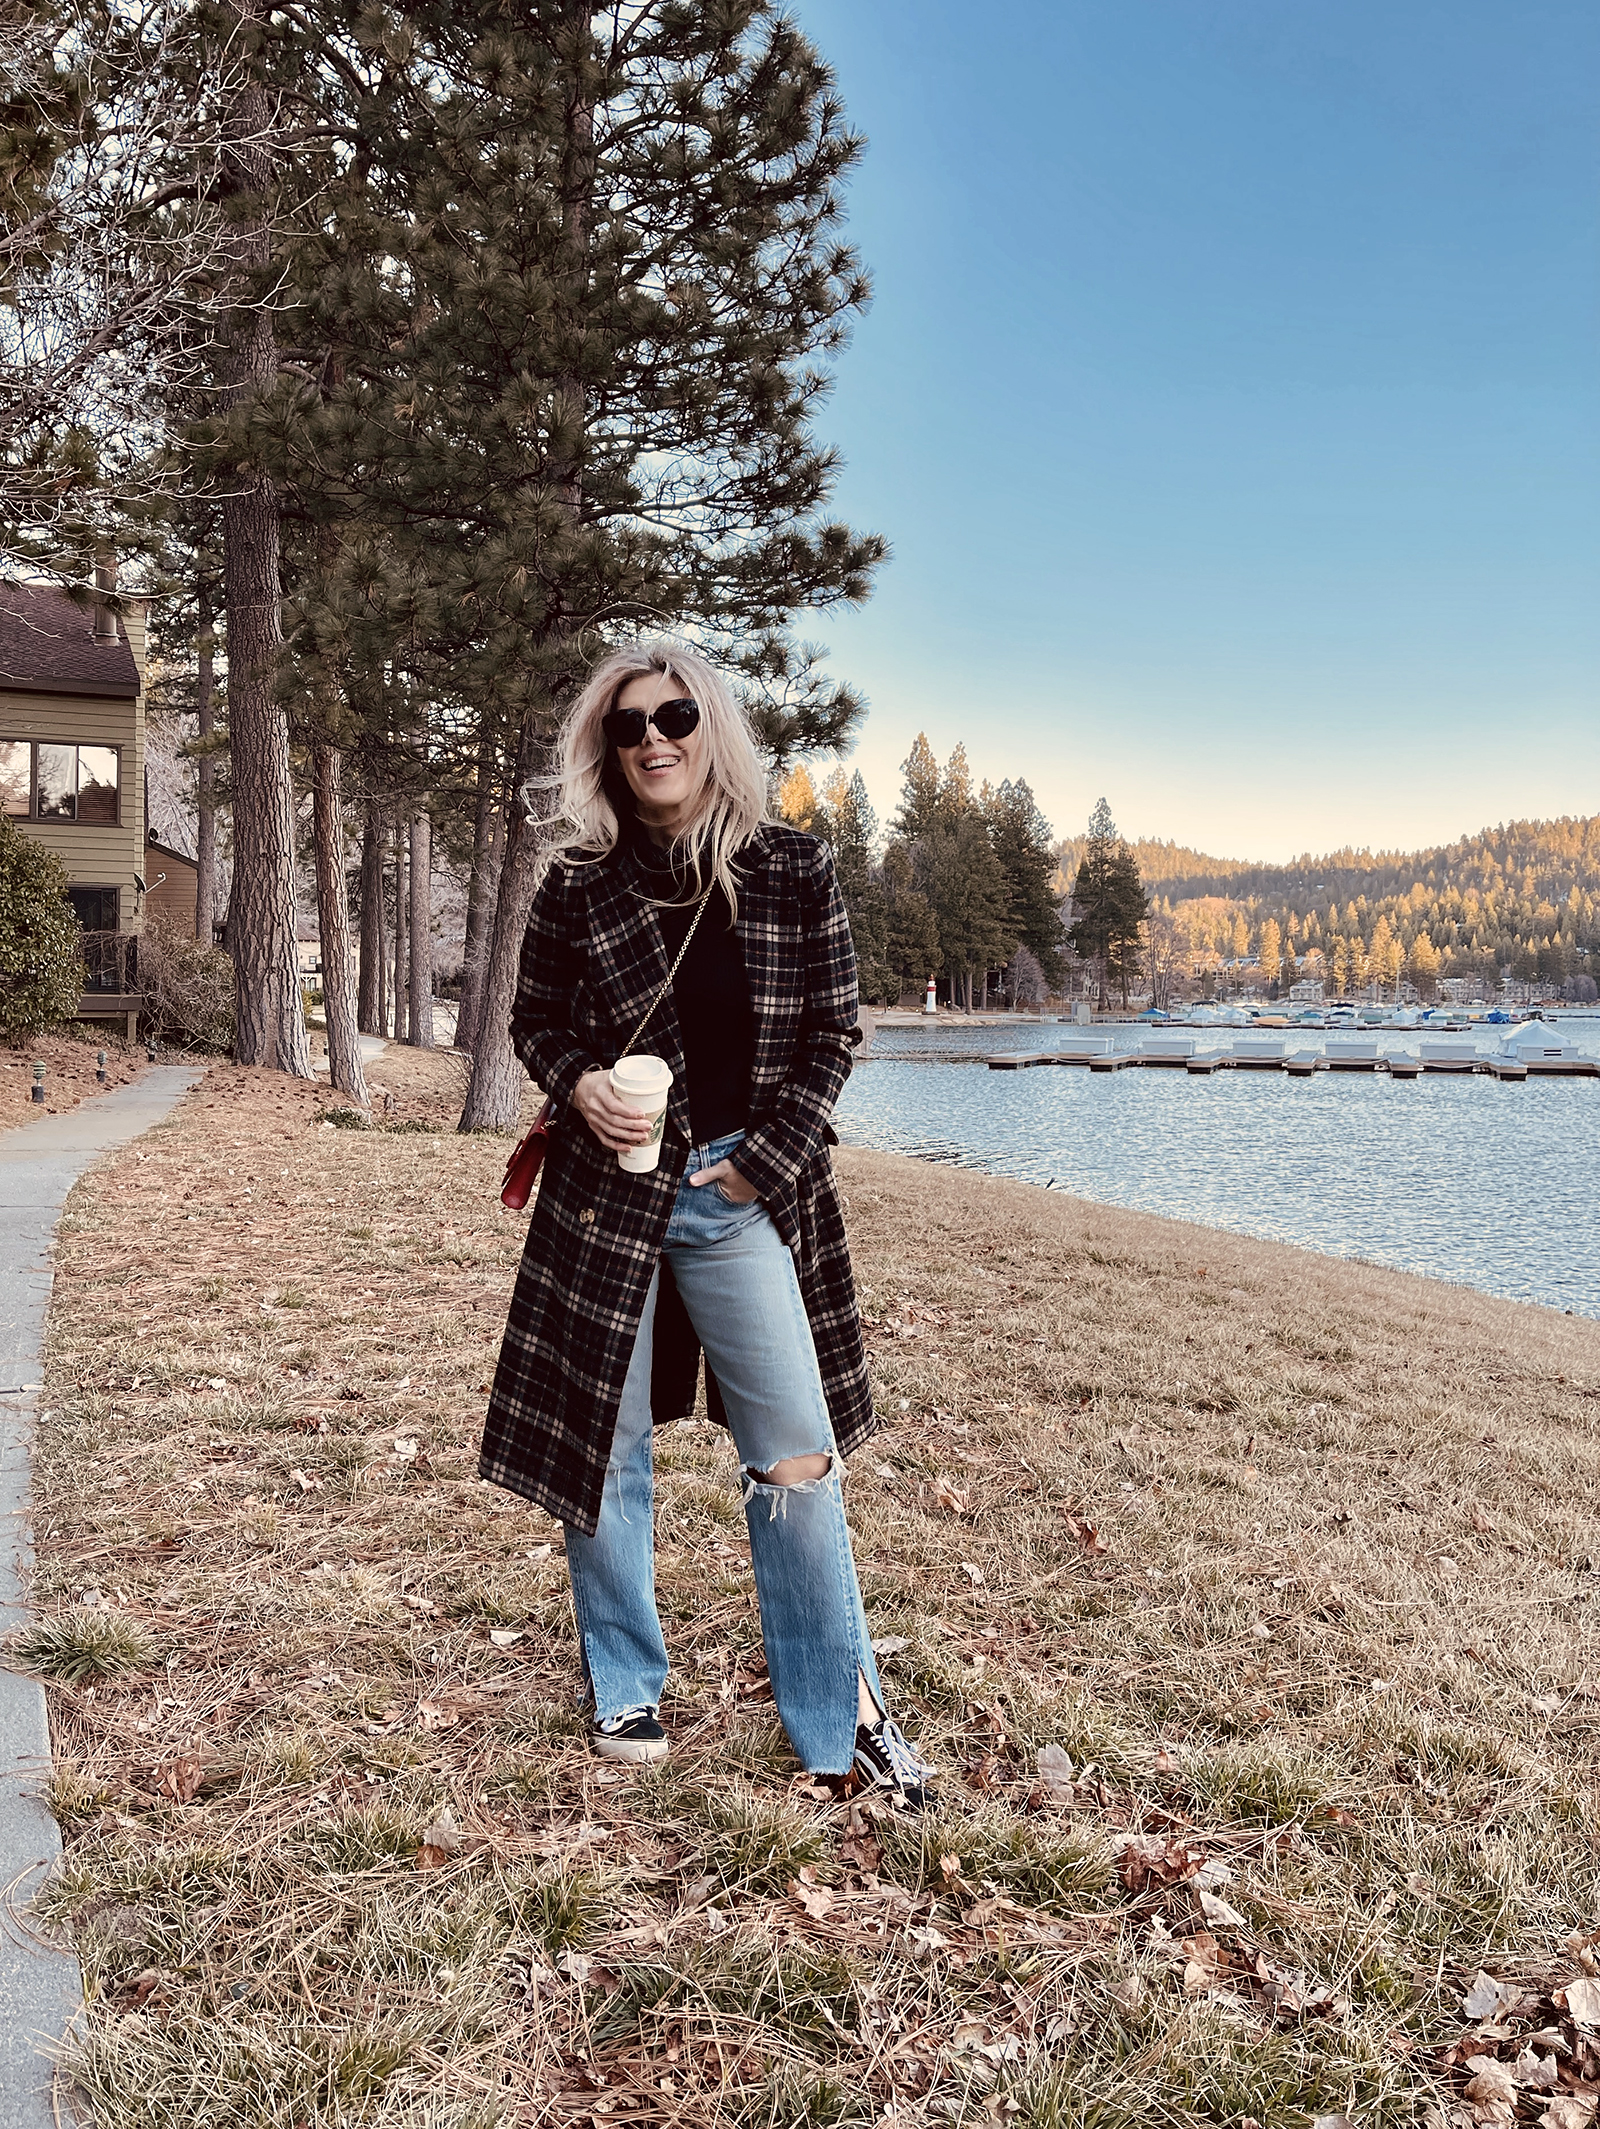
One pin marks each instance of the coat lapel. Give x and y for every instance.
(758, 940)
(628, 961)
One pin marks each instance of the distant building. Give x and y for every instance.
(1309, 993)
(173, 881)
(72, 769)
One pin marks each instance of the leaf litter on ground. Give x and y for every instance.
(338, 1805)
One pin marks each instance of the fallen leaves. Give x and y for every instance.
(1581, 2000)
(440, 1840)
(1148, 1859)
(1216, 1909)
(814, 1899)
(1086, 1534)
(1571, 2110)
(1519, 2051)
(1056, 1771)
(1487, 1998)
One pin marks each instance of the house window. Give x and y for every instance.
(110, 956)
(16, 778)
(94, 907)
(41, 781)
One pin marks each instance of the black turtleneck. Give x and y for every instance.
(711, 992)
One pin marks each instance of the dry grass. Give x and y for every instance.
(1293, 1560)
(69, 1071)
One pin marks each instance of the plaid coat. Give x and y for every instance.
(592, 962)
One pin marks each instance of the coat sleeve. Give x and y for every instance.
(548, 975)
(773, 1154)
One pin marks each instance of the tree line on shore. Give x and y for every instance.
(965, 887)
(418, 353)
(1521, 900)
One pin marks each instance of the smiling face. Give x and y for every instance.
(666, 776)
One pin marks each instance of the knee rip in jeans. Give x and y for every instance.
(761, 1482)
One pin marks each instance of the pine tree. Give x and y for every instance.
(845, 817)
(1109, 904)
(1024, 845)
(575, 292)
(1386, 956)
(797, 798)
(1271, 955)
(966, 889)
(912, 945)
(1131, 906)
(919, 794)
(1423, 963)
(955, 785)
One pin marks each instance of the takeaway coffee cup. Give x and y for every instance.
(642, 1082)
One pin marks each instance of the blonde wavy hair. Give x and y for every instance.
(594, 797)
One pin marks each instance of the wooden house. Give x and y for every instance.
(72, 769)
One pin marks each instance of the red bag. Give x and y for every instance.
(527, 1157)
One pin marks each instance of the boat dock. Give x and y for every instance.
(1512, 1064)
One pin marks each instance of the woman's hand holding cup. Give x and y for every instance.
(611, 1120)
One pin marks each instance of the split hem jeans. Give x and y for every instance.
(739, 1286)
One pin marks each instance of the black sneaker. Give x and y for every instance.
(633, 1735)
(885, 1760)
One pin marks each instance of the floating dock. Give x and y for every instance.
(1510, 1065)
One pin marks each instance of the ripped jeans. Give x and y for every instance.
(739, 1286)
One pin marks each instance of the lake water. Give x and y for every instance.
(1460, 1178)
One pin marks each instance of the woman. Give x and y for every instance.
(672, 901)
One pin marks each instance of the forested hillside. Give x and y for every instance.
(1524, 896)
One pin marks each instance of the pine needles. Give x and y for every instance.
(337, 1855)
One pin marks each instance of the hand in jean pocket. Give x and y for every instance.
(734, 1188)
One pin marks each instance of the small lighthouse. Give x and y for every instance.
(932, 1002)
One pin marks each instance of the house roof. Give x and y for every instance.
(171, 850)
(47, 642)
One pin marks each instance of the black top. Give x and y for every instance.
(712, 994)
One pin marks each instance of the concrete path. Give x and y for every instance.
(372, 1048)
(39, 1163)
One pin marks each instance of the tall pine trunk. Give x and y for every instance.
(402, 929)
(370, 987)
(269, 1021)
(205, 804)
(494, 1093)
(420, 1031)
(488, 848)
(345, 1074)
(382, 1027)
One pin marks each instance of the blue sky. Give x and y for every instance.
(1231, 399)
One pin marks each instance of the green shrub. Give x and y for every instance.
(41, 946)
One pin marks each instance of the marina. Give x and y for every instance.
(1532, 1050)
(1507, 1063)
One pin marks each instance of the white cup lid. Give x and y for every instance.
(641, 1075)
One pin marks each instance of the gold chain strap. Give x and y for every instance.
(699, 912)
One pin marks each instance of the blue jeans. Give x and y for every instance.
(739, 1286)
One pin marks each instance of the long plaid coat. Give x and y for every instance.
(592, 962)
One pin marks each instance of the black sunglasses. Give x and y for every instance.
(673, 720)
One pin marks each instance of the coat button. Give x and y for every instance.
(586, 1217)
